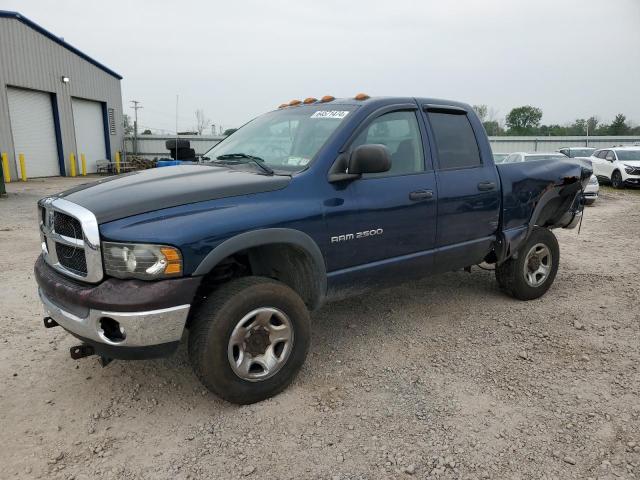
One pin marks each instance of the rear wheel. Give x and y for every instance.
(531, 274)
(616, 180)
(249, 339)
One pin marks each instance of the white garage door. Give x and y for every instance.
(89, 126)
(33, 131)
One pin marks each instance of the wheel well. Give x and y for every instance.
(290, 264)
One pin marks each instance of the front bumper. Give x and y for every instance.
(151, 315)
(632, 180)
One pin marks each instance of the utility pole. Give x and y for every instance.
(135, 107)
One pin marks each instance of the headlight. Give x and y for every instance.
(629, 169)
(143, 261)
(593, 180)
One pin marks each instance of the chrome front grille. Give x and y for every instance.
(70, 239)
(65, 225)
(72, 258)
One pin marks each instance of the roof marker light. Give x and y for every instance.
(282, 105)
(310, 100)
(294, 102)
(361, 96)
(327, 98)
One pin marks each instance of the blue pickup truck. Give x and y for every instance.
(316, 200)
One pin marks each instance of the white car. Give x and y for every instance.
(532, 157)
(618, 165)
(591, 191)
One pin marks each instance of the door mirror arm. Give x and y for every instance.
(371, 158)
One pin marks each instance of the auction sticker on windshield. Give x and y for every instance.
(330, 114)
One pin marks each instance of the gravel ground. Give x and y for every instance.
(443, 378)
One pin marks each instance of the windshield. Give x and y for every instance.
(628, 154)
(285, 140)
(581, 152)
(533, 158)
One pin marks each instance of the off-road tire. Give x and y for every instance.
(616, 180)
(214, 322)
(510, 274)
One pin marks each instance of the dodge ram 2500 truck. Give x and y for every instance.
(313, 201)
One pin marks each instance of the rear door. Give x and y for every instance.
(598, 162)
(468, 189)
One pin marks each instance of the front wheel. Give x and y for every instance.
(531, 274)
(249, 339)
(616, 180)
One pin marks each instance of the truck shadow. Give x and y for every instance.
(350, 325)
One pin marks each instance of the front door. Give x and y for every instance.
(389, 228)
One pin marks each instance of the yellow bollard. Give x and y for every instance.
(23, 168)
(83, 164)
(117, 162)
(72, 164)
(5, 168)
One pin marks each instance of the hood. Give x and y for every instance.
(148, 190)
(631, 163)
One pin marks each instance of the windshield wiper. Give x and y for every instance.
(243, 156)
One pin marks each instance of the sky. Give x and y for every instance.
(239, 58)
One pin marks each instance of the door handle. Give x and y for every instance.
(486, 186)
(421, 195)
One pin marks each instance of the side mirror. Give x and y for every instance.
(369, 159)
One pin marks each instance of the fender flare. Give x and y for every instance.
(513, 238)
(266, 236)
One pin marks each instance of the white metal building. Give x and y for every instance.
(55, 101)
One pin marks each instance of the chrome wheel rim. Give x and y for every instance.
(260, 344)
(537, 265)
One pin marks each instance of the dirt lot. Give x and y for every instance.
(444, 378)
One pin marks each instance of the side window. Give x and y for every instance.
(602, 154)
(610, 155)
(455, 140)
(400, 133)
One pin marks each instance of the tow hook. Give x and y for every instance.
(50, 322)
(81, 351)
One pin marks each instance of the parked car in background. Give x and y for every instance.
(499, 157)
(573, 152)
(619, 166)
(531, 157)
(591, 191)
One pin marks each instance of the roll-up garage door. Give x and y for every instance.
(33, 131)
(89, 126)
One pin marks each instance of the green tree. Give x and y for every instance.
(592, 123)
(492, 127)
(523, 120)
(619, 125)
(482, 111)
(579, 127)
